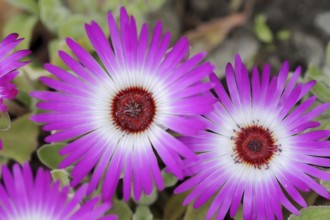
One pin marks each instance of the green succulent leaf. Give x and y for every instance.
(313, 73)
(310, 197)
(199, 213)
(49, 154)
(150, 199)
(325, 183)
(24, 97)
(53, 47)
(84, 6)
(106, 6)
(23, 24)
(262, 30)
(121, 209)
(27, 82)
(20, 140)
(28, 5)
(53, 13)
(313, 212)
(323, 118)
(142, 213)
(283, 35)
(174, 209)
(5, 122)
(169, 179)
(73, 27)
(239, 213)
(61, 175)
(322, 88)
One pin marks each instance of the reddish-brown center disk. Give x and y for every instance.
(254, 145)
(133, 109)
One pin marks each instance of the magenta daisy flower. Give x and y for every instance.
(257, 147)
(120, 111)
(9, 63)
(24, 197)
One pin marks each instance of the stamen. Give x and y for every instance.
(133, 110)
(255, 146)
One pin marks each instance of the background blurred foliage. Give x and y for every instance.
(322, 87)
(66, 18)
(222, 28)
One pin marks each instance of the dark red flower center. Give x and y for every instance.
(133, 109)
(254, 145)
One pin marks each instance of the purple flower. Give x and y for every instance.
(258, 147)
(9, 63)
(119, 111)
(25, 197)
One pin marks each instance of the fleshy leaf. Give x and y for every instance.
(262, 30)
(174, 209)
(199, 213)
(28, 5)
(106, 6)
(62, 175)
(53, 47)
(121, 209)
(142, 213)
(323, 118)
(313, 212)
(239, 214)
(73, 27)
(24, 97)
(310, 197)
(83, 6)
(169, 179)
(23, 24)
(283, 35)
(148, 200)
(48, 154)
(5, 122)
(26, 82)
(53, 13)
(20, 140)
(321, 89)
(324, 183)
(32, 73)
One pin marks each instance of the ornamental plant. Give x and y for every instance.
(119, 113)
(257, 147)
(136, 127)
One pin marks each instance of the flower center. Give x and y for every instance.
(254, 145)
(133, 109)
